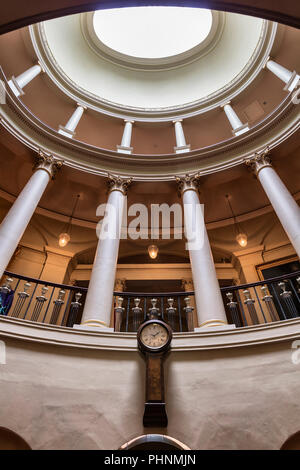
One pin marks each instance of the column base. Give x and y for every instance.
(292, 83)
(215, 324)
(64, 131)
(15, 87)
(93, 325)
(123, 149)
(182, 149)
(241, 130)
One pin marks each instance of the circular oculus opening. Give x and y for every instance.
(152, 32)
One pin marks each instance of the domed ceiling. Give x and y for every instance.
(153, 57)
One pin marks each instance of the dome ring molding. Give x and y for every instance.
(36, 135)
(78, 94)
(163, 63)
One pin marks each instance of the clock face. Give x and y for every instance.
(154, 335)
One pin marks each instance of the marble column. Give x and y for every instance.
(125, 146)
(209, 303)
(237, 126)
(69, 129)
(181, 145)
(284, 205)
(290, 79)
(14, 224)
(98, 304)
(18, 83)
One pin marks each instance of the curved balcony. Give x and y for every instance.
(246, 305)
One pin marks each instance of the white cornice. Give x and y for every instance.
(272, 131)
(33, 332)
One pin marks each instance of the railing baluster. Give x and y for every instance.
(268, 299)
(40, 301)
(259, 303)
(241, 308)
(294, 290)
(171, 312)
(286, 296)
(179, 313)
(45, 314)
(29, 303)
(250, 305)
(127, 314)
(22, 297)
(278, 301)
(145, 308)
(233, 309)
(58, 303)
(66, 308)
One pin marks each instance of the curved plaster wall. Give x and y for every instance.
(65, 398)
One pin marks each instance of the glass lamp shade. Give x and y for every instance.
(242, 239)
(63, 239)
(153, 251)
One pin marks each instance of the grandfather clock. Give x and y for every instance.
(154, 338)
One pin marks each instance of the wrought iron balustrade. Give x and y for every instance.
(35, 300)
(44, 302)
(265, 301)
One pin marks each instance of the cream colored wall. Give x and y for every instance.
(65, 398)
(50, 264)
(157, 271)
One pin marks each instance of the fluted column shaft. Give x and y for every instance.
(125, 146)
(284, 205)
(69, 129)
(237, 126)
(181, 145)
(15, 223)
(209, 303)
(18, 83)
(288, 77)
(98, 305)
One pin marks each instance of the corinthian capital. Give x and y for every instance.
(260, 160)
(117, 183)
(188, 182)
(47, 163)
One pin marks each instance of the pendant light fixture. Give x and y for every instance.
(153, 251)
(65, 236)
(241, 236)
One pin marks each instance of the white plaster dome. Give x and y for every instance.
(196, 67)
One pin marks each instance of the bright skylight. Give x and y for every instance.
(152, 32)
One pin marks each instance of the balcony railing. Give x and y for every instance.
(272, 300)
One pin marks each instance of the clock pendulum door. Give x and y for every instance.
(155, 414)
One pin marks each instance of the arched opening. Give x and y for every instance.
(9, 440)
(292, 443)
(154, 442)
